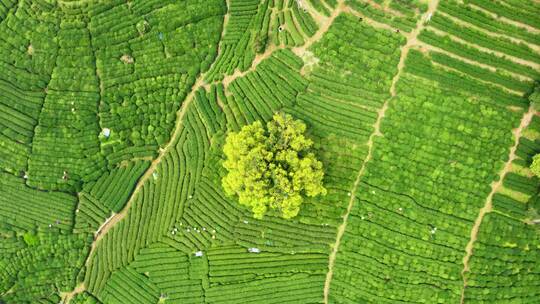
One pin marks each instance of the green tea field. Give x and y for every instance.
(269, 151)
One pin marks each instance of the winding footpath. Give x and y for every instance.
(117, 217)
(411, 41)
(324, 24)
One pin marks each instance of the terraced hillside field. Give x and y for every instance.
(114, 114)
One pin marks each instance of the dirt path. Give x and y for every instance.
(100, 228)
(116, 218)
(525, 120)
(319, 18)
(324, 25)
(112, 221)
(199, 83)
(227, 79)
(427, 47)
(323, 28)
(66, 297)
(411, 40)
(322, 21)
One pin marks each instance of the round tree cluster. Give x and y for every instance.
(272, 167)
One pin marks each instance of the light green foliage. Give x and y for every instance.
(45, 258)
(535, 166)
(534, 98)
(273, 167)
(30, 239)
(143, 27)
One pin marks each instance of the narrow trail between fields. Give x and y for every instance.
(488, 206)
(424, 47)
(112, 221)
(411, 41)
(117, 217)
(66, 297)
(324, 24)
(319, 18)
(323, 28)
(368, 20)
(227, 79)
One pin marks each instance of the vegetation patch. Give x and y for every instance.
(272, 167)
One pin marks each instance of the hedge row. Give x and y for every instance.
(479, 38)
(514, 10)
(482, 73)
(273, 85)
(405, 19)
(65, 148)
(486, 21)
(128, 286)
(471, 53)
(504, 266)
(113, 189)
(23, 208)
(420, 65)
(172, 272)
(46, 264)
(26, 60)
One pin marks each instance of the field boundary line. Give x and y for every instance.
(411, 41)
(199, 83)
(488, 206)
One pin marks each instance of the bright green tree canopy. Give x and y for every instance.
(534, 98)
(535, 166)
(272, 167)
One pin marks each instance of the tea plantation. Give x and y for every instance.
(114, 115)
